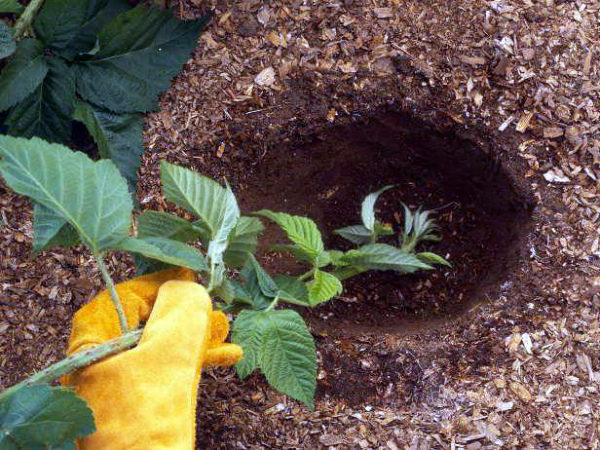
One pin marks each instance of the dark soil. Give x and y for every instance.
(484, 218)
(482, 215)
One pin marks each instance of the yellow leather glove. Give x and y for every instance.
(145, 398)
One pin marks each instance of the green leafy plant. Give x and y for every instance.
(43, 417)
(98, 62)
(77, 200)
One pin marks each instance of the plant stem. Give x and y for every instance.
(77, 361)
(306, 275)
(113, 293)
(211, 281)
(409, 245)
(26, 17)
(294, 302)
(273, 304)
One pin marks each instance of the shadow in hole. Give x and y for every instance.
(484, 216)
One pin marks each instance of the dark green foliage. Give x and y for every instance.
(118, 136)
(10, 6)
(140, 51)
(7, 43)
(23, 73)
(47, 111)
(99, 62)
(37, 417)
(280, 344)
(51, 230)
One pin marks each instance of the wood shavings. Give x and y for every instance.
(553, 132)
(266, 77)
(472, 60)
(524, 122)
(522, 58)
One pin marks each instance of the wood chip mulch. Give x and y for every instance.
(521, 370)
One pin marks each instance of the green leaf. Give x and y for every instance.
(267, 286)
(293, 287)
(324, 259)
(345, 272)
(302, 231)
(51, 230)
(22, 74)
(251, 280)
(408, 221)
(220, 237)
(429, 257)
(215, 205)
(357, 234)
(259, 301)
(166, 250)
(288, 357)
(418, 227)
(10, 6)
(91, 196)
(247, 332)
(118, 136)
(424, 227)
(241, 294)
(59, 21)
(368, 208)
(242, 240)
(140, 51)
(335, 256)
(299, 253)
(383, 257)
(162, 224)
(98, 14)
(144, 266)
(70, 27)
(226, 290)
(46, 112)
(37, 417)
(7, 43)
(323, 287)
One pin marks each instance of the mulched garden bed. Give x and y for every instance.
(485, 110)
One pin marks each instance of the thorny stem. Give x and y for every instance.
(77, 361)
(26, 17)
(113, 293)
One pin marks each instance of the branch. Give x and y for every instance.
(113, 293)
(77, 361)
(26, 18)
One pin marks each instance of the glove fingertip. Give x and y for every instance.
(219, 328)
(224, 355)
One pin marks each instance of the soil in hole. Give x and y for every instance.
(483, 217)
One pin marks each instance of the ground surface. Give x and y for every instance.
(497, 104)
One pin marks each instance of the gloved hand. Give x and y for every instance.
(145, 398)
